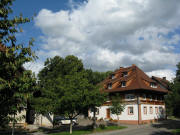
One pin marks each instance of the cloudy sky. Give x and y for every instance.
(105, 34)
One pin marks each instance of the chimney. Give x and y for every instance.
(164, 78)
(133, 65)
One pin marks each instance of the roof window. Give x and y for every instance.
(112, 76)
(153, 85)
(109, 85)
(123, 84)
(124, 74)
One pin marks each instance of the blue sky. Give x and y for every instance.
(105, 34)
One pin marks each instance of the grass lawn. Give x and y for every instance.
(82, 132)
(176, 131)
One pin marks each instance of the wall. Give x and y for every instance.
(124, 115)
(46, 120)
(154, 115)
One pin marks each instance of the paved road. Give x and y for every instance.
(138, 130)
(161, 128)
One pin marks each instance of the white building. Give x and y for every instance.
(143, 97)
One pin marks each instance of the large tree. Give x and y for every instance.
(15, 82)
(65, 88)
(173, 98)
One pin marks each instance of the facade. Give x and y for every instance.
(142, 96)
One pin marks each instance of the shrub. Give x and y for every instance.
(102, 126)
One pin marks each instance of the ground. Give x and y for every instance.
(160, 128)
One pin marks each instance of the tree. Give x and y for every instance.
(65, 88)
(173, 98)
(117, 106)
(15, 81)
(97, 98)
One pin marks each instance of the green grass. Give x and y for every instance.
(108, 128)
(74, 133)
(176, 131)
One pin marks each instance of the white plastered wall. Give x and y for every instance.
(154, 115)
(46, 120)
(124, 115)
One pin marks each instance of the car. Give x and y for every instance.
(61, 120)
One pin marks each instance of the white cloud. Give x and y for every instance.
(169, 74)
(107, 34)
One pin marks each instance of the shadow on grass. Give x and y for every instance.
(168, 124)
(65, 129)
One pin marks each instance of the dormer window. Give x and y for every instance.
(123, 84)
(153, 85)
(124, 74)
(109, 85)
(112, 76)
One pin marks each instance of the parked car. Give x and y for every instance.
(61, 120)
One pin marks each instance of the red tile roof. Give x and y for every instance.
(135, 80)
(165, 83)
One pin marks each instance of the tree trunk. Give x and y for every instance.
(13, 125)
(94, 119)
(70, 127)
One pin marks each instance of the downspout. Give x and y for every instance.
(139, 109)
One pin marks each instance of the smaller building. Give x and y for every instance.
(142, 96)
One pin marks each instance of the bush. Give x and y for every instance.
(102, 126)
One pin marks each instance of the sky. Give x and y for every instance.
(105, 34)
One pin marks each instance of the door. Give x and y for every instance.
(108, 113)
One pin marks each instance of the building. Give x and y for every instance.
(142, 96)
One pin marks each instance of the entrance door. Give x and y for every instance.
(108, 112)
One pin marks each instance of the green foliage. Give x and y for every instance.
(117, 106)
(173, 98)
(66, 89)
(102, 126)
(16, 84)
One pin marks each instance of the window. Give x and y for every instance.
(123, 84)
(129, 97)
(97, 111)
(130, 111)
(124, 74)
(155, 98)
(150, 97)
(145, 110)
(153, 85)
(109, 85)
(112, 76)
(156, 110)
(144, 96)
(161, 98)
(160, 110)
(151, 110)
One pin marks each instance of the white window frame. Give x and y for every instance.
(150, 97)
(153, 85)
(144, 96)
(123, 84)
(109, 85)
(123, 75)
(112, 76)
